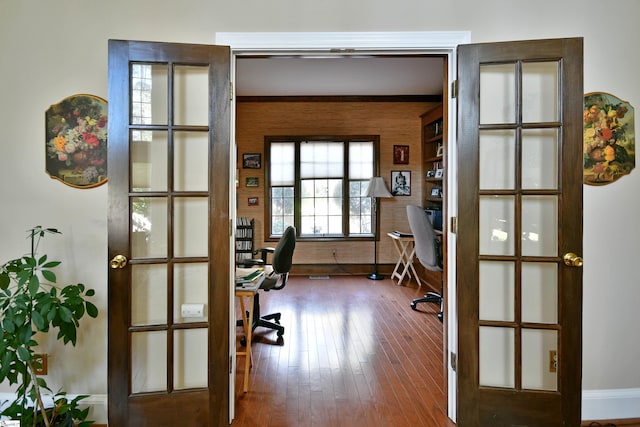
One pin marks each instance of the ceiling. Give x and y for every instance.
(339, 75)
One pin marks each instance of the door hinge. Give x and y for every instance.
(230, 365)
(454, 362)
(454, 225)
(230, 227)
(454, 89)
(230, 91)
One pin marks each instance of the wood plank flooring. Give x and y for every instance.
(354, 354)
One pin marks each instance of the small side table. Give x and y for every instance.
(406, 250)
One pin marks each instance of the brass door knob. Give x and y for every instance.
(118, 261)
(572, 260)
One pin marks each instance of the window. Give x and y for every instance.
(318, 185)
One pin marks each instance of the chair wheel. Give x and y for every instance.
(243, 341)
(277, 318)
(414, 306)
(280, 340)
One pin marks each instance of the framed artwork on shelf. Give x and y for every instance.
(401, 183)
(435, 192)
(401, 154)
(440, 150)
(431, 173)
(252, 161)
(439, 173)
(252, 181)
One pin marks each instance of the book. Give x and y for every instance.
(246, 275)
(401, 234)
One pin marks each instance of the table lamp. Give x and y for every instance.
(376, 189)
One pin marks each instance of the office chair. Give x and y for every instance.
(428, 251)
(276, 275)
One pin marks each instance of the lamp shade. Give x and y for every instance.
(377, 188)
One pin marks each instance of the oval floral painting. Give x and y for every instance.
(76, 141)
(609, 138)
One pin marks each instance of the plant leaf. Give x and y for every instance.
(92, 310)
(49, 275)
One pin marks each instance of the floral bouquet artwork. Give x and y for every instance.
(609, 139)
(76, 141)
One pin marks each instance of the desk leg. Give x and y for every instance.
(247, 322)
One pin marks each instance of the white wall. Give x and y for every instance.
(52, 49)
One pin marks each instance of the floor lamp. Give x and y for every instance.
(375, 190)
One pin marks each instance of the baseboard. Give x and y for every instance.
(611, 404)
(97, 403)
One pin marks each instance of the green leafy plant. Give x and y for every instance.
(31, 302)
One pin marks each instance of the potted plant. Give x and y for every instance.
(31, 303)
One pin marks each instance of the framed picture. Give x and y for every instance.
(401, 154)
(76, 141)
(439, 173)
(435, 192)
(440, 150)
(252, 181)
(401, 183)
(252, 161)
(252, 201)
(431, 173)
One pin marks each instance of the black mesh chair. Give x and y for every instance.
(276, 275)
(428, 251)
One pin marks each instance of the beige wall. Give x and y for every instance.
(51, 49)
(395, 123)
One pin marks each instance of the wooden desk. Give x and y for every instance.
(406, 250)
(247, 290)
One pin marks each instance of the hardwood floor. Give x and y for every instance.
(354, 355)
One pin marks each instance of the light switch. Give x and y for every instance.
(192, 310)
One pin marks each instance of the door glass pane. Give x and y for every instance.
(497, 93)
(540, 292)
(190, 286)
(148, 294)
(191, 230)
(540, 91)
(148, 227)
(497, 219)
(190, 358)
(191, 89)
(149, 161)
(537, 345)
(540, 159)
(539, 225)
(497, 296)
(497, 153)
(148, 361)
(497, 357)
(149, 94)
(191, 161)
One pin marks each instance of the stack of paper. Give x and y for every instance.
(246, 275)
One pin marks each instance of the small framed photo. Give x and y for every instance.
(401, 154)
(431, 173)
(401, 183)
(439, 173)
(252, 181)
(440, 151)
(252, 161)
(252, 201)
(435, 192)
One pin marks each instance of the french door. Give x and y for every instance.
(169, 244)
(520, 233)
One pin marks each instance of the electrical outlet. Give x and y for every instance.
(553, 361)
(41, 362)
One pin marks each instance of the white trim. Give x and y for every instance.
(352, 43)
(610, 404)
(310, 41)
(97, 403)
